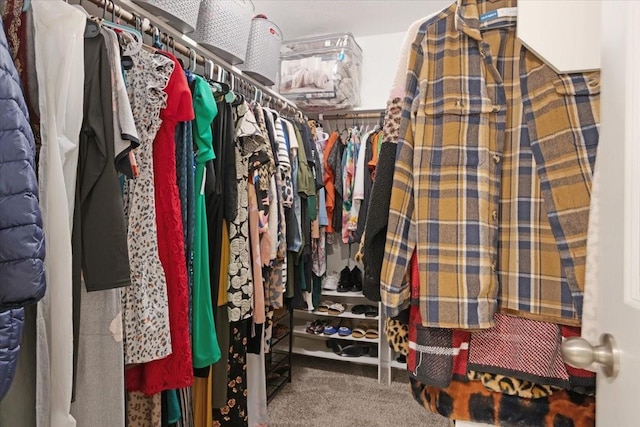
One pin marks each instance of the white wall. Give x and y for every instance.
(379, 59)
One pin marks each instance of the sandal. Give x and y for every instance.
(371, 311)
(337, 308)
(324, 306)
(360, 309)
(371, 332)
(359, 331)
(345, 328)
(331, 327)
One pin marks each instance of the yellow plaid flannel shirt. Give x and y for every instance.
(492, 178)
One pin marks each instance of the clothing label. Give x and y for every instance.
(499, 13)
(204, 181)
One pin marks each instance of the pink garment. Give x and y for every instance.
(520, 348)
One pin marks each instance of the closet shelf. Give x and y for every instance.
(301, 330)
(346, 314)
(277, 340)
(317, 348)
(274, 386)
(398, 365)
(274, 360)
(279, 318)
(343, 294)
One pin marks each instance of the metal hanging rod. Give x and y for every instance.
(245, 82)
(352, 115)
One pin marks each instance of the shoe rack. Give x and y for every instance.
(315, 345)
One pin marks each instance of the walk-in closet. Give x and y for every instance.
(298, 213)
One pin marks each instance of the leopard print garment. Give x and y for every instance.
(397, 334)
(143, 411)
(471, 401)
(144, 304)
(392, 119)
(512, 386)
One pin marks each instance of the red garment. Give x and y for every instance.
(455, 345)
(329, 182)
(176, 370)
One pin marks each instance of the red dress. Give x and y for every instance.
(176, 370)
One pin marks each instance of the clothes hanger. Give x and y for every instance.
(231, 97)
(134, 37)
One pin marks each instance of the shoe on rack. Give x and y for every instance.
(330, 282)
(319, 328)
(344, 283)
(346, 326)
(355, 280)
(332, 327)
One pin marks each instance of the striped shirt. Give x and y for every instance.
(492, 178)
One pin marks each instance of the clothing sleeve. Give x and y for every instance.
(102, 244)
(179, 103)
(400, 243)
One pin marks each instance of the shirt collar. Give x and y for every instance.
(468, 18)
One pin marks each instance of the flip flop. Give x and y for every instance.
(335, 345)
(355, 350)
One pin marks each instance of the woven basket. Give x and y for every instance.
(263, 52)
(181, 14)
(223, 27)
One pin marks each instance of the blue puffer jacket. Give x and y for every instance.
(22, 279)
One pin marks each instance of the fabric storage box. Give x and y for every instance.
(321, 73)
(224, 26)
(181, 14)
(263, 53)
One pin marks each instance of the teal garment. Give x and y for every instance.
(204, 341)
(173, 407)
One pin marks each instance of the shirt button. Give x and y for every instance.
(482, 54)
(496, 159)
(496, 108)
(494, 215)
(494, 267)
(593, 82)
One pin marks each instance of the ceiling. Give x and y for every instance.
(301, 18)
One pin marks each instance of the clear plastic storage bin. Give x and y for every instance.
(321, 73)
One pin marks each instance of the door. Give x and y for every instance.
(618, 237)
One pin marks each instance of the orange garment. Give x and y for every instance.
(224, 266)
(375, 149)
(202, 406)
(329, 181)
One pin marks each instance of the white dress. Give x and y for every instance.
(59, 51)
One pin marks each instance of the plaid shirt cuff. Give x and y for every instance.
(394, 299)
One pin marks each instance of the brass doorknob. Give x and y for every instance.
(579, 353)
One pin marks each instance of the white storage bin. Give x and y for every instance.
(321, 73)
(181, 14)
(224, 26)
(263, 52)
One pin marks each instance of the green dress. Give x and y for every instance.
(204, 340)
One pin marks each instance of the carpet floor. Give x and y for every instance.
(328, 393)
